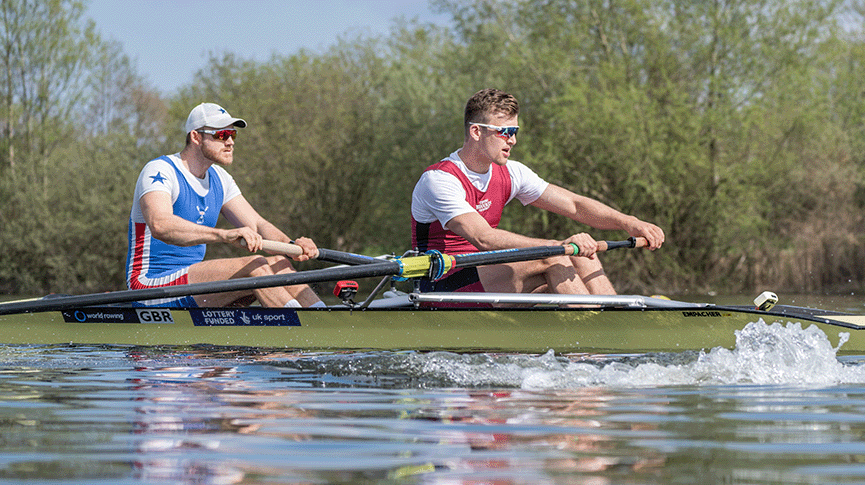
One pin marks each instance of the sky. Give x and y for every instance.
(169, 40)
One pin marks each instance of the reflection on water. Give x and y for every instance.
(178, 422)
(779, 408)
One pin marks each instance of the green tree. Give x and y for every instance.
(659, 109)
(343, 135)
(66, 183)
(45, 47)
(736, 125)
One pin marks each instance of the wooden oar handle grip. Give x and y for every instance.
(287, 249)
(632, 242)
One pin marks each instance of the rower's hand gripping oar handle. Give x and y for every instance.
(279, 247)
(572, 249)
(287, 249)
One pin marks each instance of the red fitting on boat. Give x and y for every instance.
(345, 290)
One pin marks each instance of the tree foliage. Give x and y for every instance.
(735, 125)
(70, 148)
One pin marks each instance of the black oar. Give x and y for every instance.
(427, 265)
(380, 268)
(540, 252)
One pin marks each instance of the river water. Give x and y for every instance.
(783, 406)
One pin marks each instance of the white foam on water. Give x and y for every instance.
(765, 354)
(778, 354)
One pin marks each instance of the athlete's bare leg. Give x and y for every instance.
(592, 274)
(562, 275)
(223, 269)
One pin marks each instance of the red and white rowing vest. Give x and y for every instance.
(489, 204)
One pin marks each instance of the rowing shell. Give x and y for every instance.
(619, 324)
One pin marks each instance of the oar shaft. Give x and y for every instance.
(381, 268)
(340, 257)
(540, 252)
(333, 256)
(507, 256)
(411, 267)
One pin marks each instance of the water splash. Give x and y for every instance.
(764, 354)
(778, 354)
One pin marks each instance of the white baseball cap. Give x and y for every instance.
(212, 115)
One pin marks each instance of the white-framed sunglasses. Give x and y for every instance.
(501, 131)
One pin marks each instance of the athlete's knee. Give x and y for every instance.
(280, 264)
(582, 268)
(592, 273)
(259, 266)
(587, 265)
(555, 262)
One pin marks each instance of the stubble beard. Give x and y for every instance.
(217, 156)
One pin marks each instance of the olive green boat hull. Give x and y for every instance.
(537, 330)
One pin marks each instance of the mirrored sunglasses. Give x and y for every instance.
(220, 134)
(502, 131)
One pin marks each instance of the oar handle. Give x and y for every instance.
(631, 242)
(287, 249)
(329, 255)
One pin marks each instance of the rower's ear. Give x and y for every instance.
(193, 137)
(474, 132)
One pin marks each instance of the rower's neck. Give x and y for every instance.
(473, 162)
(194, 162)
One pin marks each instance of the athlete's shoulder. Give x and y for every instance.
(445, 165)
(228, 183)
(220, 170)
(162, 163)
(516, 165)
(520, 168)
(448, 163)
(157, 174)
